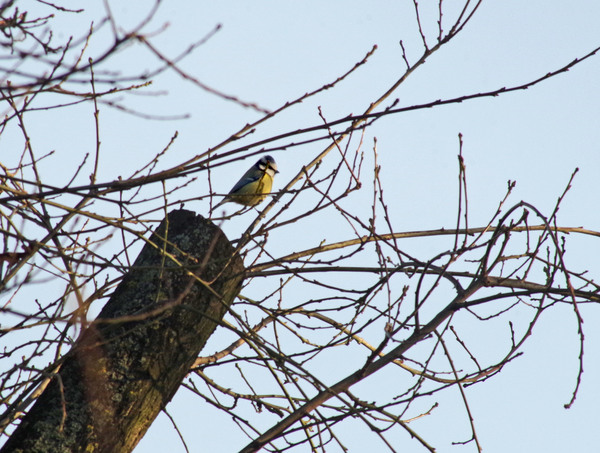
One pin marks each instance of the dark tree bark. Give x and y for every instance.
(129, 363)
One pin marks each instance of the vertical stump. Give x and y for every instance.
(129, 363)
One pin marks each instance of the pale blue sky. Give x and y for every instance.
(269, 52)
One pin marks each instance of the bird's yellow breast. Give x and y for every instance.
(253, 193)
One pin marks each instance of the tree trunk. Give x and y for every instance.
(130, 362)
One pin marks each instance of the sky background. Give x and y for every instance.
(270, 52)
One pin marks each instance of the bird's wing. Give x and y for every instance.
(249, 177)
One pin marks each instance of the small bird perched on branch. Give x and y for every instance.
(253, 187)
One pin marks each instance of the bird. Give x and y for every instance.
(253, 187)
